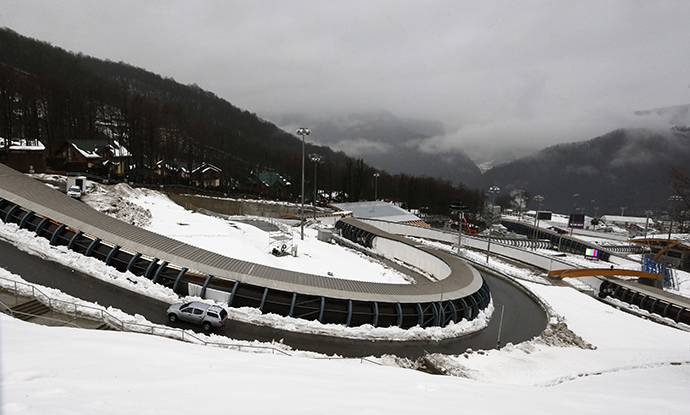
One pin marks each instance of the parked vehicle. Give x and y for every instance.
(206, 315)
(74, 192)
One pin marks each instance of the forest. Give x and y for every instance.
(52, 95)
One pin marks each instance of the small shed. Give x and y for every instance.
(24, 155)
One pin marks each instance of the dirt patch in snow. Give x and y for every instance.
(110, 201)
(558, 334)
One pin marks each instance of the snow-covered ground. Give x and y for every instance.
(236, 239)
(603, 361)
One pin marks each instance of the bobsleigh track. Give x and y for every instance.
(452, 291)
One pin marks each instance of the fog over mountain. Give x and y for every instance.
(420, 147)
(505, 79)
(627, 168)
(388, 143)
(502, 77)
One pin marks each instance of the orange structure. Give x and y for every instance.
(600, 272)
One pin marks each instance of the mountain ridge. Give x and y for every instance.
(625, 168)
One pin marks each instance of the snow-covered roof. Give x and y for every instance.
(89, 154)
(205, 168)
(270, 178)
(23, 144)
(90, 148)
(118, 150)
(161, 164)
(626, 219)
(377, 210)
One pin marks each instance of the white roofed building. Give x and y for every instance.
(626, 221)
(207, 175)
(23, 154)
(380, 210)
(105, 156)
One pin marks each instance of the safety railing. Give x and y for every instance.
(4, 308)
(99, 314)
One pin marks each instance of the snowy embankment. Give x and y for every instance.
(154, 211)
(623, 364)
(605, 361)
(104, 373)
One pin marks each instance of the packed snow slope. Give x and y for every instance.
(155, 212)
(631, 366)
(594, 358)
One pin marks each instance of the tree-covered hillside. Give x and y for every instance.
(622, 169)
(50, 94)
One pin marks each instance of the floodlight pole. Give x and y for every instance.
(303, 132)
(644, 245)
(572, 231)
(461, 217)
(673, 199)
(493, 190)
(538, 198)
(316, 159)
(457, 206)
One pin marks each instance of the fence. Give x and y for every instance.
(19, 314)
(101, 315)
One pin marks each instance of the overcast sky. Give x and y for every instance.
(513, 71)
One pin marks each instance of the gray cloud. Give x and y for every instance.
(531, 73)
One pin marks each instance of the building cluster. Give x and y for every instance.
(110, 159)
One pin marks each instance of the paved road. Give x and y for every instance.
(523, 318)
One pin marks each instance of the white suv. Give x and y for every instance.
(206, 315)
(74, 192)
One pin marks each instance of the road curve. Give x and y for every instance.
(523, 318)
(191, 270)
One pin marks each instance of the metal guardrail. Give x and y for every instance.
(625, 249)
(7, 309)
(361, 359)
(100, 315)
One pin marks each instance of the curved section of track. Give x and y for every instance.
(523, 318)
(190, 270)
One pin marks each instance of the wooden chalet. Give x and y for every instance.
(207, 176)
(99, 156)
(269, 184)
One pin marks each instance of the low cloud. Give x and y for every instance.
(361, 147)
(498, 75)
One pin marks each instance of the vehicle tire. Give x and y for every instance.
(172, 318)
(207, 326)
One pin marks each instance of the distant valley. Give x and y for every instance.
(626, 168)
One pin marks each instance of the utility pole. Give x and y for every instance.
(493, 190)
(538, 198)
(316, 159)
(303, 132)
